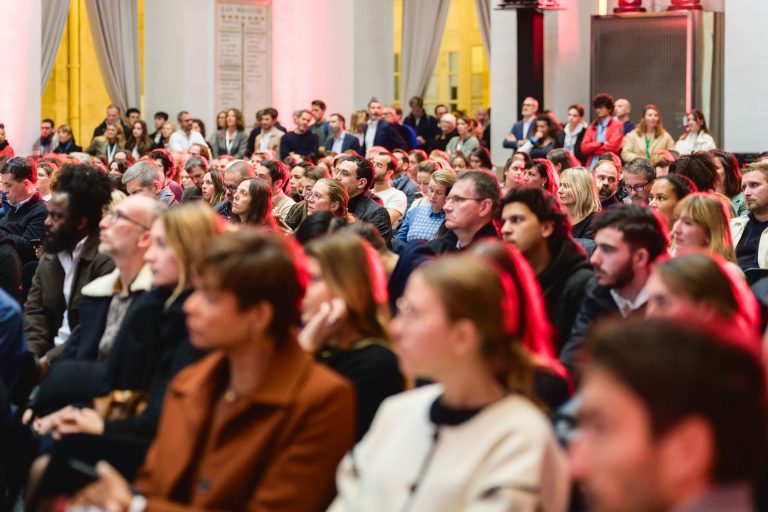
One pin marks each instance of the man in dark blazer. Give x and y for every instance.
(379, 132)
(339, 139)
(425, 125)
(523, 129)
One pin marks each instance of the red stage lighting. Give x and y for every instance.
(685, 5)
(626, 6)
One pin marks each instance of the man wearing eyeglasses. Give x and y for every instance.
(124, 236)
(470, 209)
(639, 175)
(71, 258)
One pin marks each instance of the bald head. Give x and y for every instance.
(124, 231)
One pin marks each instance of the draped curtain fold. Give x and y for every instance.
(484, 20)
(55, 14)
(115, 30)
(423, 25)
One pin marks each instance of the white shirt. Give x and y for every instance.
(699, 141)
(339, 142)
(626, 307)
(394, 199)
(527, 126)
(181, 142)
(370, 134)
(265, 138)
(69, 263)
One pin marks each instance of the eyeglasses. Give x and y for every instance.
(315, 196)
(459, 199)
(636, 188)
(114, 215)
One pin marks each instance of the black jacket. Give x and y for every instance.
(10, 267)
(368, 210)
(447, 241)
(426, 128)
(25, 224)
(66, 148)
(563, 285)
(597, 303)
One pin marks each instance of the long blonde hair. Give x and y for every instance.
(711, 213)
(579, 181)
(189, 230)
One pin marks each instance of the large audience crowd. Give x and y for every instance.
(374, 316)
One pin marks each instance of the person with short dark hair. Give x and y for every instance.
(424, 124)
(339, 140)
(184, 136)
(628, 241)
(533, 222)
(379, 131)
(196, 168)
(48, 140)
(300, 141)
(319, 125)
(666, 192)
(605, 134)
(170, 186)
(24, 221)
(356, 174)
(471, 208)
(276, 174)
(672, 417)
(159, 120)
(71, 258)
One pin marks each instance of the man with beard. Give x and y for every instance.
(672, 418)
(750, 232)
(607, 177)
(394, 200)
(628, 240)
(71, 257)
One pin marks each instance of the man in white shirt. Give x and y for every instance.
(71, 256)
(184, 137)
(394, 200)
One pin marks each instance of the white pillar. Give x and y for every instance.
(374, 52)
(20, 73)
(179, 59)
(567, 54)
(746, 73)
(504, 108)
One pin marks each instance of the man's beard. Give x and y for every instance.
(63, 241)
(605, 192)
(623, 277)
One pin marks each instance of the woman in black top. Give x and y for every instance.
(345, 315)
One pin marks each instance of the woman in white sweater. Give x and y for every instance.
(472, 441)
(697, 136)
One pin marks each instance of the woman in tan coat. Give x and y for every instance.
(258, 424)
(648, 138)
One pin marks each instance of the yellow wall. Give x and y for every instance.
(461, 78)
(75, 93)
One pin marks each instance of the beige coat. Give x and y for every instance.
(634, 145)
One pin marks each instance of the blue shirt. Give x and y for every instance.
(13, 344)
(420, 223)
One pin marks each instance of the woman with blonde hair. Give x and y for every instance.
(702, 222)
(328, 195)
(423, 221)
(152, 344)
(578, 194)
(345, 314)
(450, 442)
(648, 138)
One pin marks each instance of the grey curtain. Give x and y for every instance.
(115, 29)
(423, 24)
(484, 20)
(55, 14)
